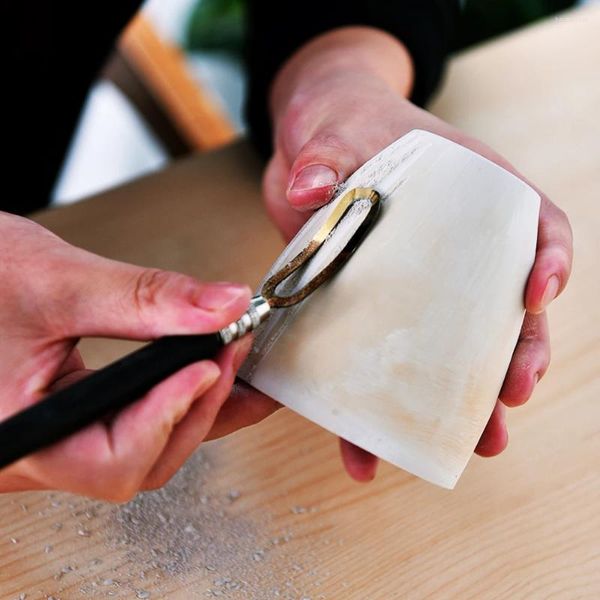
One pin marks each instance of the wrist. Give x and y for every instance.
(363, 56)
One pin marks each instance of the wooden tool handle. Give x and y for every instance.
(109, 389)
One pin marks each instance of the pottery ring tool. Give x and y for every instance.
(129, 378)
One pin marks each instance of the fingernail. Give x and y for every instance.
(314, 176)
(550, 291)
(219, 296)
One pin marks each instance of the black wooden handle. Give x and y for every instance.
(109, 389)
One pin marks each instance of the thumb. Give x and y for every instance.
(102, 297)
(322, 163)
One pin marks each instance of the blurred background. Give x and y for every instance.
(126, 127)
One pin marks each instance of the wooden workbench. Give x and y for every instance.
(269, 512)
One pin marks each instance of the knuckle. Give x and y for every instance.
(325, 143)
(564, 241)
(122, 496)
(533, 328)
(157, 481)
(560, 232)
(150, 287)
(296, 122)
(543, 363)
(544, 366)
(542, 371)
(563, 218)
(291, 121)
(116, 478)
(119, 491)
(147, 286)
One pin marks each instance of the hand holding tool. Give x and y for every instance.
(129, 378)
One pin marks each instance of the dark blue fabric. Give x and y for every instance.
(52, 52)
(426, 27)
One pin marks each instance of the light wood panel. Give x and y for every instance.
(524, 525)
(198, 117)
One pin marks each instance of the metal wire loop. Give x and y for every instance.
(269, 289)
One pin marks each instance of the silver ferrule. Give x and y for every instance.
(257, 313)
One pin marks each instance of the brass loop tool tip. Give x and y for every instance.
(261, 305)
(269, 289)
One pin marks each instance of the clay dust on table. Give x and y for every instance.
(192, 539)
(192, 531)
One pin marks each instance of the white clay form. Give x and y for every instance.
(404, 352)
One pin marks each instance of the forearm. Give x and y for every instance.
(371, 56)
(425, 27)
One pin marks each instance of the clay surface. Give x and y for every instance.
(405, 351)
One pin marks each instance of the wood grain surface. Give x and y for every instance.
(268, 512)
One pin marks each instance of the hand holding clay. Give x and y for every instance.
(335, 104)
